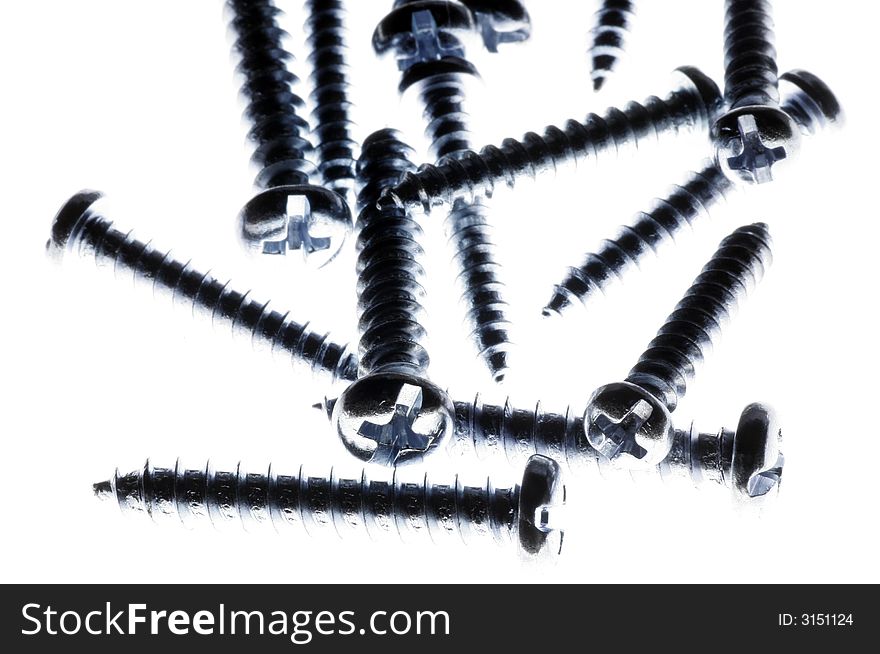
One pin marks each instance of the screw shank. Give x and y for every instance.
(750, 75)
(669, 362)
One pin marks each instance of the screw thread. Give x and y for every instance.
(318, 504)
(390, 276)
(442, 94)
(278, 132)
(809, 102)
(670, 360)
(483, 292)
(96, 237)
(646, 234)
(335, 147)
(496, 431)
(472, 174)
(515, 434)
(750, 75)
(611, 23)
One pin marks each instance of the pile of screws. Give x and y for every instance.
(390, 413)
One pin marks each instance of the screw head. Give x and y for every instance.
(395, 33)
(541, 498)
(629, 426)
(68, 220)
(753, 143)
(312, 220)
(500, 21)
(757, 460)
(811, 101)
(393, 418)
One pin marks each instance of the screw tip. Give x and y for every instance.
(557, 304)
(599, 82)
(103, 490)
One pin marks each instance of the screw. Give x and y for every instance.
(410, 31)
(747, 460)
(289, 213)
(441, 86)
(612, 22)
(692, 105)
(80, 228)
(521, 514)
(629, 421)
(335, 145)
(807, 99)
(755, 135)
(500, 21)
(393, 413)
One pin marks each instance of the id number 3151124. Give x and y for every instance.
(816, 620)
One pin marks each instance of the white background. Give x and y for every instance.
(139, 100)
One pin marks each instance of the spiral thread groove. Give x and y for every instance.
(474, 174)
(442, 95)
(498, 432)
(331, 504)
(812, 108)
(612, 22)
(278, 132)
(390, 274)
(670, 360)
(335, 147)
(750, 72)
(645, 235)
(265, 327)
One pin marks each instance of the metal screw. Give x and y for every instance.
(522, 515)
(80, 228)
(393, 414)
(807, 99)
(747, 460)
(335, 146)
(692, 105)
(500, 21)
(612, 22)
(630, 421)
(755, 135)
(440, 83)
(290, 213)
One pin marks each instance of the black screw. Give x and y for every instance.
(520, 515)
(691, 106)
(748, 460)
(290, 213)
(630, 421)
(80, 228)
(393, 414)
(755, 135)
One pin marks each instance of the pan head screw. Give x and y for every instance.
(625, 422)
(541, 501)
(757, 461)
(500, 21)
(751, 142)
(68, 221)
(311, 220)
(391, 418)
(422, 31)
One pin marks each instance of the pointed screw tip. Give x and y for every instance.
(103, 490)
